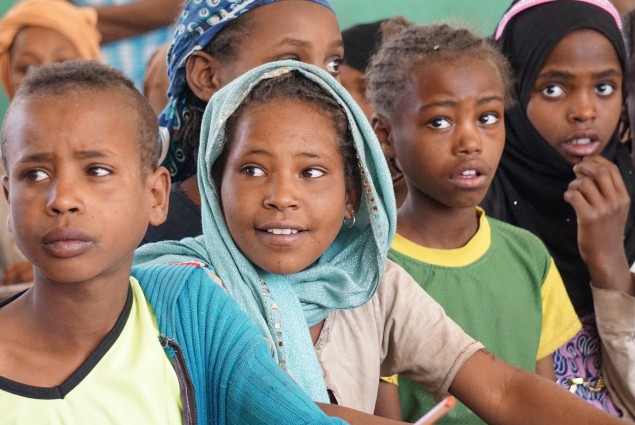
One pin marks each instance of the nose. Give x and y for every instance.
(583, 107)
(281, 193)
(64, 197)
(468, 141)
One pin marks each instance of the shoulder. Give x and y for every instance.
(514, 235)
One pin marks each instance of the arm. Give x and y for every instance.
(388, 405)
(355, 417)
(601, 203)
(545, 368)
(615, 317)
(129, 20)
(502, 394)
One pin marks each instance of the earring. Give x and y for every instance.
(350, 222)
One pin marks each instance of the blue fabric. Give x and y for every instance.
(345, 276)
(198, 24)
(235, 380)
(130, 55)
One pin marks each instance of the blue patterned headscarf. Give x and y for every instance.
(199, 23)
(344, 277)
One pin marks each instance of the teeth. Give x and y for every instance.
(469, 173)
(282, 231)
(583, 141)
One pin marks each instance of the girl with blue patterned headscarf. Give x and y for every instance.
(214, 42)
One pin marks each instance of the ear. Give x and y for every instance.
(5, 188)
(202, 72)
(159, 186)
(382, 128)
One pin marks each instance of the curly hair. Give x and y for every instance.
(406, 46)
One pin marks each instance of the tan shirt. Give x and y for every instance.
(400, 330)
(615, 316)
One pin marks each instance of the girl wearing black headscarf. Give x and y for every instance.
(537, 166)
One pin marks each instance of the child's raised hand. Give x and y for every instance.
(601, 203)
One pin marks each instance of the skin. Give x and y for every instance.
(79, 205)
(297, 183)
(577, 95)
(293, 29)
(37, 46)
(156, 81)
(128, 20)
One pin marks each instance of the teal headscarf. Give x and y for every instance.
(344, 277)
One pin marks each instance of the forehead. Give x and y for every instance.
(76, 120)
(466, 76)
(293, 20)
(284, 123)
(583, 49)
(41, 40)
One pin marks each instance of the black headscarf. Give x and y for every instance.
(532, 177)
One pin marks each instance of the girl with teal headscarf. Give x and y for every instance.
(338, 316)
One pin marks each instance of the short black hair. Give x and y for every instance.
(84, 75)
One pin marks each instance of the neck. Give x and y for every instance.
(430, 224)
(189, 186)
(75, 314)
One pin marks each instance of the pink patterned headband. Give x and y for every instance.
(523, 5)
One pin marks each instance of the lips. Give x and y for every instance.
(66, 242)
(581, 144)
(281, 233)
(469, 175)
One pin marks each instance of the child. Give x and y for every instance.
(439, 94)
(570, 62)
(41, 32)
(88, 343)
(298, 213)
(212, 46)
(35, 33)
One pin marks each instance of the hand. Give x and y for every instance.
(601, 203)
(19, 272)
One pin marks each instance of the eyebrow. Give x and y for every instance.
(288, 41)
(45, 156)
(451, 102)
(564, 75)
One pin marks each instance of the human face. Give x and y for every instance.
(576, 100)
(79, 201)
(450, 134)
(300, 30)
(37, 46)
(283, 188)
(355, 83)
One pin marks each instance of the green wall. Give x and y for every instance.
(480, 16)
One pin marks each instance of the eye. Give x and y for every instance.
(98, 171)
(333, 66)
(252, 171)
(605, 89)
(35, 175)
(553, 90)
(489, 119)
(312, 173)
(439, 123)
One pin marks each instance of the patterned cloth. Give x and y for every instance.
(130, 55)
(578, 367)
(199, 23)
(347, 273)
